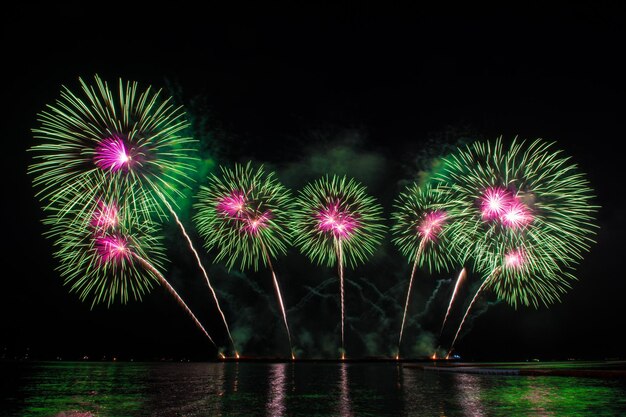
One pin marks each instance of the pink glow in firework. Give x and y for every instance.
(340, 223)
(516, 258)
(112, 248)
(432, 224)
(112, 155)
(516, 214)
(232, 205)
(494, 202)
(104, 216)
(254, 224)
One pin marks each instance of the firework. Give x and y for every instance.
(530, 214)
(335, 222)
(115, 139)
(108, 254)
(107, 136)
(525, 203)
(421, 232)
(243, 215)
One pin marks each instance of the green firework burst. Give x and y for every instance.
(107, 136)
(97, 250)
(242, 214)
(422, 225)
(529, 212)
(332, 209)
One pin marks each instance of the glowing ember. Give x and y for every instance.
(253, 224)
(104, 216)
(237, 355)
(516, 215)
(232, 205)
(112, 248)
(432, 224)
(434, 356)
(516, 258)
(494, 202)
(112, 155)
(340, 223)
(222, 356)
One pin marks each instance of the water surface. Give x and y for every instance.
(299, 389)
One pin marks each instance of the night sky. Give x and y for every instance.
(350, 90)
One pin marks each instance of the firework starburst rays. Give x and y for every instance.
(529, 212)
(108, 253)
(421, 232)
(240, 213)
(243, 215)
(336, 208)
(96, 249)
(422, 225)
(107, 136)
(335, 221)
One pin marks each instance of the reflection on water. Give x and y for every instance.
(468, 392)
(236, 383)
(292, 389)
(276, 394)
(345, 408)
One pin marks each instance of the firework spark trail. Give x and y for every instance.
(279, 295)
(172, 291)
(408, 294)
(462, 275)
(491, 277)
(206, 276)
(340, 269)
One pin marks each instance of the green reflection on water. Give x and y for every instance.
(148, 389)
(97, 388)
(553, 396)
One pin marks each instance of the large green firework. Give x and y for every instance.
(111, 136)
(335, 209)
(103, 249)
(242, 215)
(529, 212)
(421, 226)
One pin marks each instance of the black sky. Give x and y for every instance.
(271, 75)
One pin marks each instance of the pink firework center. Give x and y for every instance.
(105, 216)
(500, 204)
(232, 205)
(493, 202)
(235, 206)
(516, 215)
(515, 258)
(112, 155)
(253, 224)
(341, 224)
(432, 224)
(112, 248)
